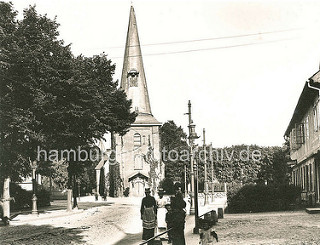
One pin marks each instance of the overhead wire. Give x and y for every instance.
(204, 49)
(208, 39)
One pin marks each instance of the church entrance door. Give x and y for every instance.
(138, 186)
(138, 182)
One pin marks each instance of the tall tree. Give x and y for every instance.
(274, 167)
(174, 150)
(51, 100)
(9, 123)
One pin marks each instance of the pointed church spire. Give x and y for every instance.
(133, 80)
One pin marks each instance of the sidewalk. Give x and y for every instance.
(191, 238)
(58, 208)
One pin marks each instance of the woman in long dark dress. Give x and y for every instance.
(148, 215)
(178, 217)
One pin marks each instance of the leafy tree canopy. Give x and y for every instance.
(49, 98)
(173, 142)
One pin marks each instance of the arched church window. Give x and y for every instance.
(136, 140)
(138, 162)
(133, 78)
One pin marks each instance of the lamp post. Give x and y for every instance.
(193, 171)
(205, 168)
(34, 186)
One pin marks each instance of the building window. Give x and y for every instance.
(306, 127)
(144, 139)
(301, 178)
(293, 139)
(138, 162)
(305, 178)
(300, 133)
(315, 119)
(297, 136)
(308, 178)
(133, 78)
(136, 141)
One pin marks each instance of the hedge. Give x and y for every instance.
(23, 198)
(262, 198)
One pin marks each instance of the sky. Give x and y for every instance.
(242, 64)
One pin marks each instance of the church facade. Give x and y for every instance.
(138, 151)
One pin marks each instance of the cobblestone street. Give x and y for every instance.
(118, 223)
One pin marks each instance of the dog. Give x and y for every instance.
(206, 237)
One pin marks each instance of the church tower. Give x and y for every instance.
(138, 151)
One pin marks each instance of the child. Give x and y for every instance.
(169, 221)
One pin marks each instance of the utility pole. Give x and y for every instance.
(191, 159)
(193, 172)
(212, 173)
(205, 168)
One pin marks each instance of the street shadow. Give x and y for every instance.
(61, 206)
(42, 234)
(87, 205)
(130, 239)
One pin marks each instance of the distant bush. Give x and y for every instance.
(23, 198)
(262, 198)
(43, 198)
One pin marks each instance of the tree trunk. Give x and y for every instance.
(102, 183)
(69, 200)
(6, 197)
(111, 168)
(75, 190)
(113, 141)
(69, 186)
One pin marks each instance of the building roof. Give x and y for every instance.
(145, 119)
(306, 99)
(136, 90)
(138, 175)
(315, 78)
